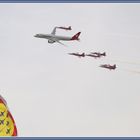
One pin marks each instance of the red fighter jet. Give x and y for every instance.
(108, 66)
(93, 55)
(65, 28)
(78, 54)
(99, 54)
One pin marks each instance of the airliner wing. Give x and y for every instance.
(60, 43)
(54, 31)
(56, 40)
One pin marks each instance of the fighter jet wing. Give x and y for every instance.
(54, 31)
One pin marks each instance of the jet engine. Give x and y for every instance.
(51, 41)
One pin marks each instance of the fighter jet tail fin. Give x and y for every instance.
(114, 66)
(104, 54)
(75, 37)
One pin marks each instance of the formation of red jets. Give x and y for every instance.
(96, 55)
(92, 54)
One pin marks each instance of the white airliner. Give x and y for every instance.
(55, 38)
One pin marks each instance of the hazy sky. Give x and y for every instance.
(51, 93)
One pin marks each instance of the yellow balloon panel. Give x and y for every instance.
(6, 123)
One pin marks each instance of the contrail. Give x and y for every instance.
(132, 71)
(127, 62)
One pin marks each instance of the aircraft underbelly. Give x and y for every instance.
(63, 38)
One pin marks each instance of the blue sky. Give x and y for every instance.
(51, 93)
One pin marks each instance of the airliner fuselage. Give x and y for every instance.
(51, 36)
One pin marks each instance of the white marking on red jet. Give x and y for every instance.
(56, 38)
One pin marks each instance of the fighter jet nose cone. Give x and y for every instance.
(35, 35)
